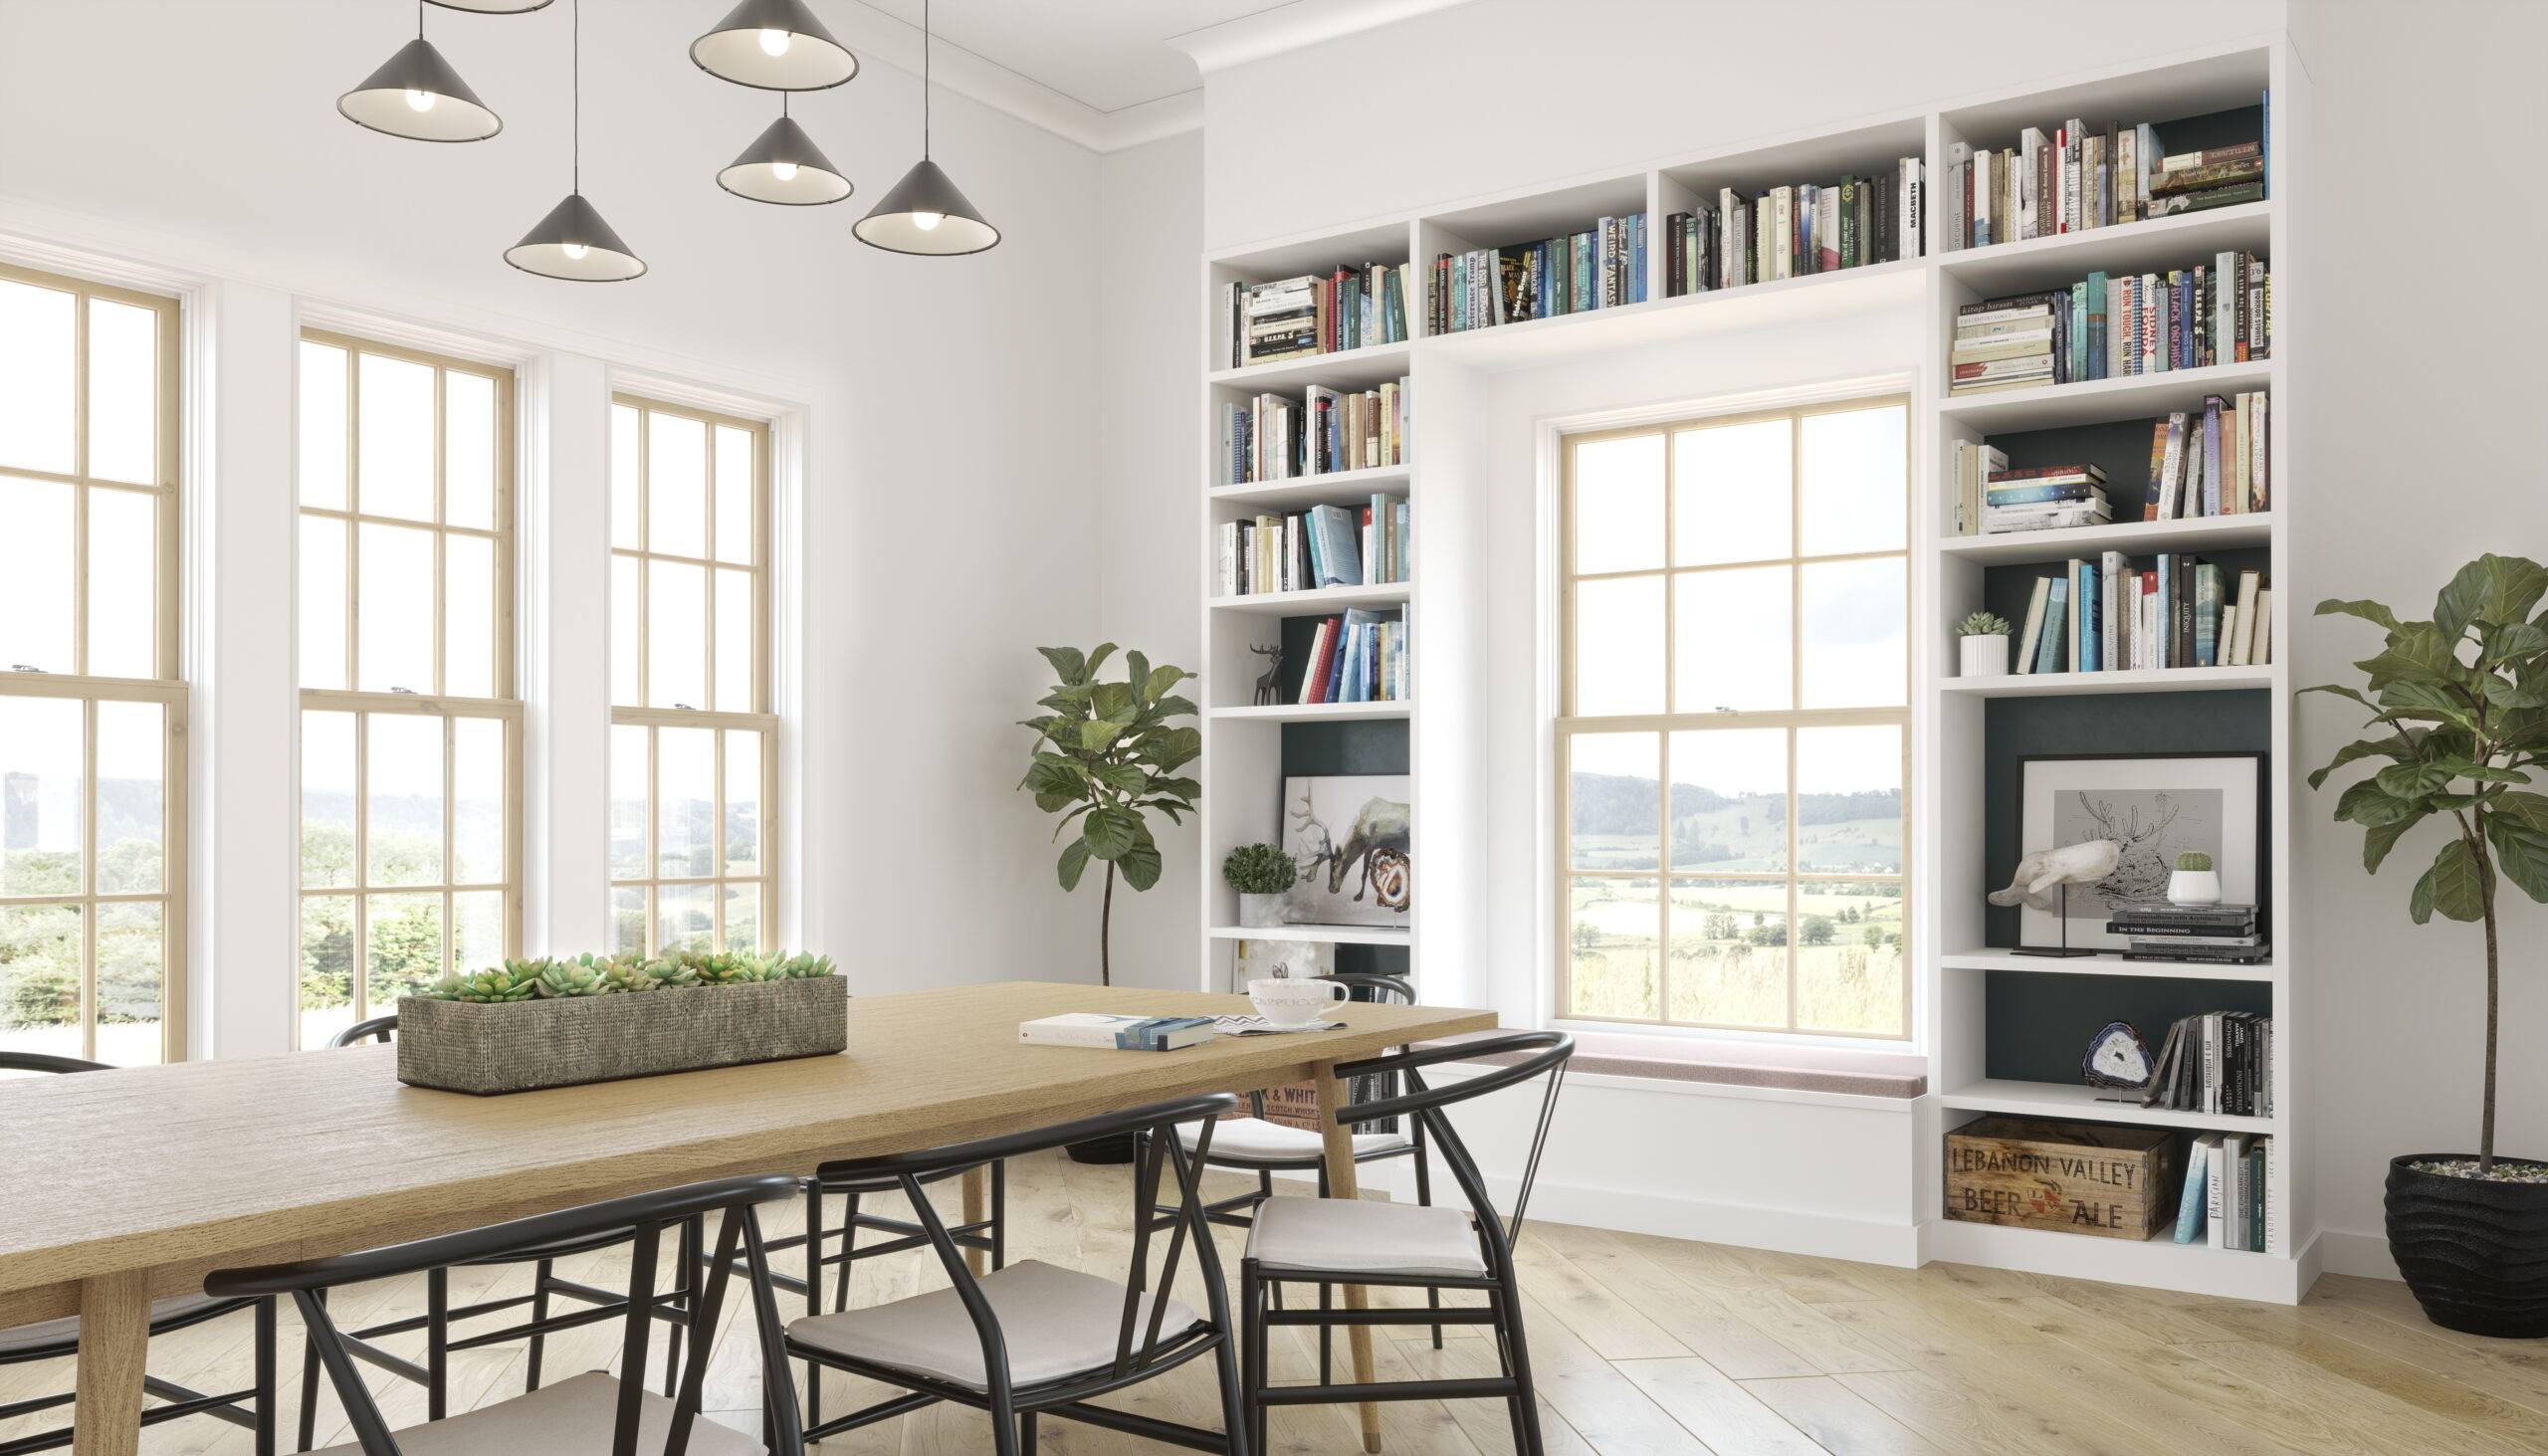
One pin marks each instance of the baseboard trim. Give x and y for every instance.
(1745, 1225)
(2350, 1251)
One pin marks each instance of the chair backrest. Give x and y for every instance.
(652, 1215)
(378, 1028)
(1139, 1343)
(1514, 1057)
(47, 1062)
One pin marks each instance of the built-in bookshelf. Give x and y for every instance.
(2203, 96)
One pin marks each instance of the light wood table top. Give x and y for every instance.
(175, 1170)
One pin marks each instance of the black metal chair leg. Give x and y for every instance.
(1424, 1199)
(1526, 1401)
(437, 1343)
(264, 1427)
(687, 1286)
(999, 1214)
(1006, 1424)
(1326, 1338)
(848, 1252)
(539, 1316)
(1252, 1292)
(813, 1297)
(310, 1387)
(1026, 1432)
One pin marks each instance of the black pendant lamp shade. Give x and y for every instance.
(574, 244)
(785, 166)
(418, 96)
(776, 44)
(928, 215)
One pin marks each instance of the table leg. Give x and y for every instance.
(114, 1342)
(975, 1180)
(1341, 1184)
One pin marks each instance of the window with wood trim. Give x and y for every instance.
(93, 705)
(410, 721)
(1734, 729)
(694, 764)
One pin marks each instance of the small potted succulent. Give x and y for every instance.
(1983, 640)
(1263, 874)
(2195, 881)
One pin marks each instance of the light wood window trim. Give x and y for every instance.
(505, 707)
(167, 688)
(724, 718)
(1661, 725)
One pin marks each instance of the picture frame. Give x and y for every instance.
(1351, 835)
(2153, 806)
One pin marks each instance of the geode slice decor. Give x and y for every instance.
(2117, 1058)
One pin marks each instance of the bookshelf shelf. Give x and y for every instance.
(2159, 680)
(1324, 601)
(1345, 370)
(1998, 958)
(2101, 401)
(2159, 244)
(2132, 538)
(1315, 712)
(1781, 301)
(1331, 934)
(2158, 1262)
(2086, 1104)
(1340, 487)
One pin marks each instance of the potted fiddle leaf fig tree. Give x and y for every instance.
(2459, 712)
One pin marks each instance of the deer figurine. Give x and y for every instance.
(1269, 689)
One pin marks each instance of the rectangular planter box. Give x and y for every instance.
(2072, 1178)
(521, 1046)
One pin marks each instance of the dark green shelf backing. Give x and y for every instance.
(2038, 1025)
(1375, 746)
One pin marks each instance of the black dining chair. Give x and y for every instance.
(439, 1341)
(594, 1410)
(1347, 1241)
(253, 1407)
(1034, 1339)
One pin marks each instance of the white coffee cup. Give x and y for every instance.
(1285, 1001)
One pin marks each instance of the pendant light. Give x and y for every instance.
(493, 7)
(785, 166)
(417, 95)
(775, 45)
(926, 213)
(572, 242)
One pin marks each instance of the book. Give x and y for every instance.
(1794, 230)
(1100, 1029)
(1309, 315)
(2192, 1203)
(2117, 326)
(2031, 633)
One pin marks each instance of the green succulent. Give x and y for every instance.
(805, 965)
(2193, 861)
(1983, 624)
(572, 978)
(515, 981)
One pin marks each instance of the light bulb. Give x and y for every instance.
(783, 171)
(927, 221)
(776, 42)
(419, 101)
(575, 252)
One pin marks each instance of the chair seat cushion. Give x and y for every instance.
(1254, 1142)
(65, 1331)
(1351, 1236)
(569, 1417)
(1057, 1323)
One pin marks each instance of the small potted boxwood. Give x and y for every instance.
(1263, 874)
(2460, 709)
(1981, 642)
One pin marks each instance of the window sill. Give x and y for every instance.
(1749, 1066)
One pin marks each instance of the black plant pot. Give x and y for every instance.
(1118, 1149)
(2475, 1252)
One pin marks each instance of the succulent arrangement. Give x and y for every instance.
(2193, 861)
(600, 975)
(1261, 869)
(1983, 624)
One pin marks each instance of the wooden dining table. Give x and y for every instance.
(118, 1188)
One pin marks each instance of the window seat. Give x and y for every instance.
(1897, 1075)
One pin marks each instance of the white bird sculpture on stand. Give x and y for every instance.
(2043, 873)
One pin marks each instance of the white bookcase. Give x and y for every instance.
(1242, 758)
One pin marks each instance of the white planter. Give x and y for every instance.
(2193, 887)
(1258, 912)
(1984, 657)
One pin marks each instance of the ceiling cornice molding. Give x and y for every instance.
(1291, 27)
(876, 35)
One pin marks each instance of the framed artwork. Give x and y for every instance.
(2153, 806)
(1350, 834)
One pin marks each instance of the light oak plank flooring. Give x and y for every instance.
(1643, 1347)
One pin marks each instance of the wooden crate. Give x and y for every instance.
(2075, 1177)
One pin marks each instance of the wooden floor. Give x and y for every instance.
(1651, 1347)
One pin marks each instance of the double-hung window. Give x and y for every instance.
(411, 724)
(1734, 730)
(92, 707)
(693, 743)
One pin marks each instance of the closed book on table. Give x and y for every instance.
(1106, 1030)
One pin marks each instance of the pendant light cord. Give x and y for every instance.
(420, 19)
(576, 66)
(924, 80)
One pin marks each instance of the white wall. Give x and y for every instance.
(942, 407)
(2425, 445)
(1149, 518)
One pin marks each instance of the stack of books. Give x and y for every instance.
(2113, 614)
(1794, 231)
(1296, 317)
(2228, 1199)
(1108, 1031)
(1359, 657)
(2218, 1062)
(2083, 177)
(2222, 935)
(1325, 545)
(2214, 461)
(2111, 327)
(1270, 437)
(2044, 498)
(1601, 266)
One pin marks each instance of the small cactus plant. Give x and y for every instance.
(1983, 624)
(2193, 861)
